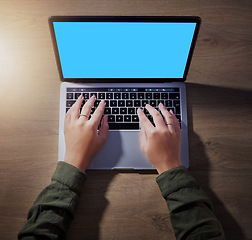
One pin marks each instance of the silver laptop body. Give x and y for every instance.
(122, 149)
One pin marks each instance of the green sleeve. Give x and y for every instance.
(53, 210)
(191, 211)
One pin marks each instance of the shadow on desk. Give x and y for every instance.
(227, 109)
(93, 202)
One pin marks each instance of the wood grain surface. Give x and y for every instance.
(123, 205)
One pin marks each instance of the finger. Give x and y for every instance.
(176, 122)
(96, 118)
(157, 118)
(168, 118)
(67, 120)
(103, 131)
(75, 109)
(87, 107)
(144, 121)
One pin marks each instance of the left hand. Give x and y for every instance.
(81, 136)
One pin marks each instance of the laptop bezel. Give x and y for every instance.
(185, 19)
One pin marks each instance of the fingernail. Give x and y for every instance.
(80, 97)
(139, 110)
(103, 101)
(171, 111)
(161, 105)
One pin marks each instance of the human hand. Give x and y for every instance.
(81, 136)
(162, 143)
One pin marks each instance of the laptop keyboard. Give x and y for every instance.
(122, 103)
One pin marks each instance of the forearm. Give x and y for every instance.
(190, 209)
(53, 210)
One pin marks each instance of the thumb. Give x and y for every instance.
(143, 139)
(103, 131)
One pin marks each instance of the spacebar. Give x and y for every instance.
(113, 126)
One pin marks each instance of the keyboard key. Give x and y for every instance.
(135, 118)
(119, 118)
(111, 118)
(101, 95)
(115, 110)
(174, 96)
(113, 103)
(69, 103)
(131, 111)
(164, 95)
(107, 103)
(114, 126)
(109, 95)
(117, 95)
(67, 109)
(132, 95)
(123, 110)
(176, 104)
(148, 95)
(153, 103)
(156, 95)
(86, 96)
(145, 111)
(144, 102)
(92, 110)
(69, 95)
(125, 96)
(127, 118)
(76, 95)
(121, 103)
(97, 103)
(137, 103)
(168, 103)
(107, 110)
(129, 103)
(140, 95)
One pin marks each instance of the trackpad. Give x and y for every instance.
(121, 150)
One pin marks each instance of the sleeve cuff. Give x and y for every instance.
(70, 176)
(173, 180)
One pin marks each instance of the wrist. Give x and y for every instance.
(166, 167)
(78, 162)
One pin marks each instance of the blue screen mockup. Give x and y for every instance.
(123, 49)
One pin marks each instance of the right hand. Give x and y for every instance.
(162, 143)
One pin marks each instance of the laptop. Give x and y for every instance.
(127, 61)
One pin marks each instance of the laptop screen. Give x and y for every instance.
(123, 49)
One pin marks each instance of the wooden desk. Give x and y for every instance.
(127, 205)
